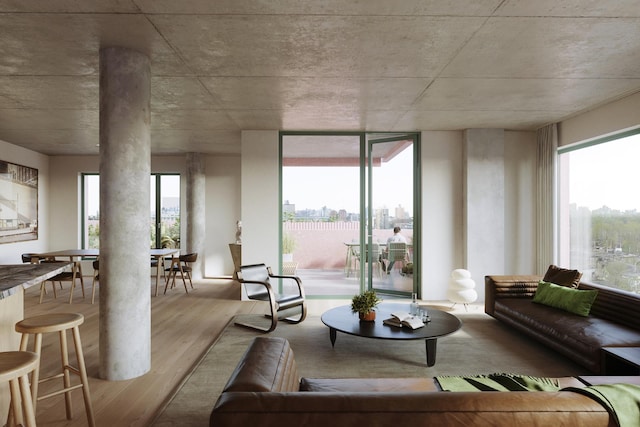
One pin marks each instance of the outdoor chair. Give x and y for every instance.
(288, 307)
(397, 251)
(372, 255)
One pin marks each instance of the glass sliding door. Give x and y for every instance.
(320, 195)
(391, 192)
(329, 236)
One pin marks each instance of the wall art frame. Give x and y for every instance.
(18, 203)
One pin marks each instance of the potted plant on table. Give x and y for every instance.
(364, 304)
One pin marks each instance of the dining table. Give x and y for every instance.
(76, 255)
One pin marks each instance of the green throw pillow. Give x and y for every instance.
(575, 301)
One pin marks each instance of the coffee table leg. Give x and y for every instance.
(430, 345)
(332, 336)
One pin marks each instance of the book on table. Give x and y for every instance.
(400, 319)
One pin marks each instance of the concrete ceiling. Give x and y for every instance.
(219, 67)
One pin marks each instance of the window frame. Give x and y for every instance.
(158, 204)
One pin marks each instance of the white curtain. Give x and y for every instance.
(547, 138)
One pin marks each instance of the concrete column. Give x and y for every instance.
(125, 167)
(196, 210)
(484, 203)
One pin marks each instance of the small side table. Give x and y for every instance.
(621, 360)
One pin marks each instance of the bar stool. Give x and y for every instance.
(58, 322)
(14, 368)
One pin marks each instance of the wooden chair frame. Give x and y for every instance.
(180, 264)
(397, 251)
(256, 281)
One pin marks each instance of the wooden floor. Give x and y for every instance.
(182, 328)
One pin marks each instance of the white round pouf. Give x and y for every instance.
(462, 287)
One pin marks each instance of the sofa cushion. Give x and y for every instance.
(572, 300)
(580, 338)
(562, 276)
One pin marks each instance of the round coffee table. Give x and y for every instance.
(343, 320)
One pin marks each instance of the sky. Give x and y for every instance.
(338, 187)
(170, 188)
(607, 174)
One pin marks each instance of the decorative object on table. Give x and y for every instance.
(462, 288)
(414, 307)
(238, 232)
(400, 319)
(364, 304)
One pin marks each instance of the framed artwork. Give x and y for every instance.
(18, 203)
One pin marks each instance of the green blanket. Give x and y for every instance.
(621, 400)
(497, 382)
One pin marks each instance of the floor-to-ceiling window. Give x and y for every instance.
(326, 230)
(599, 210)
(164, 214)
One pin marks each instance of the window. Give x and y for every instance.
(599, 218)
(164, 212)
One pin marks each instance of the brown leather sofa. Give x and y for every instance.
(265, 390)
(614, 319)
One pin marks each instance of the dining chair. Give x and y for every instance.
(96, 278)
(66, 276)
(182, 265)
(35, 259)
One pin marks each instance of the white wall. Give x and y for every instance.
(443, 224)
(260, 201)
(520, 220)
(442, 205)
(10, 252)
(222, 211)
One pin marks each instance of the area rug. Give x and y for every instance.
(482, 346)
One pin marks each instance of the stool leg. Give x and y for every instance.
(35, 375)
(83, 376)
(43, 290)
(27, 402)
(15, 414)
(66, 379)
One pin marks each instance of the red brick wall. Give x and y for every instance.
(321, 245)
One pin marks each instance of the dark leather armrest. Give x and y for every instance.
(514, 286)
(267, 365)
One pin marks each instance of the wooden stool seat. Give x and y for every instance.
(14, 367)
(45, 323)
(61, 323)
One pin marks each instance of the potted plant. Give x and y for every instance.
(364, 304)
(288, 245)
